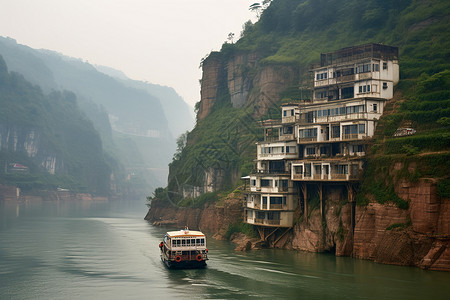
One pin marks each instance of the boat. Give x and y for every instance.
(184, 249)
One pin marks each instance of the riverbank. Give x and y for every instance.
(418, 236)
(14, 194)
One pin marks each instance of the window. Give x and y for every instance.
(351, 129)
(290, 149)
(335, 131)
(362, 128)
(266, 183)
(376, 67)
(307, 133)
(385, 86)
(253, 182)
(384, 66)
(310, 151)
(298, 169)
(276, 200)
(364, 89)
(375, 107)
(363, 68)
(284, 113)
(288, 130)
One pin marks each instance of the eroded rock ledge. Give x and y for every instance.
(384, 233)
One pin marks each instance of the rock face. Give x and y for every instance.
(241, 80)
(28, 141)
(212, 218)
(245, 80)
(384, 233)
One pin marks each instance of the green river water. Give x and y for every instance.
(89, 250)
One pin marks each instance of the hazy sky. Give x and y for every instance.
(159, 41)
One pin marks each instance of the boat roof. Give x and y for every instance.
(184, 233)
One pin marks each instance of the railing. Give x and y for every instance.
(272, 222)
(326, 177)
(345, 78)
(265, 172)
(309, 139)
(277, 206)
(271, 139)
(349, 136)
(286, 137)
(297, 176)
(281, 155)
(290, 119)
(339, 176)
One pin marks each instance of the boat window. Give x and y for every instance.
(188, 242)
(193, 242)
(178, 243)
(202, 242)
(183, 242)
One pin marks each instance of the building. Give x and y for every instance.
(321, 141)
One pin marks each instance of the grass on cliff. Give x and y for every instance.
(247, 229)
(425, 154)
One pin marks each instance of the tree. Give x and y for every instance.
(259, 7)
(181, 143)
(230, 37)
(256, 7)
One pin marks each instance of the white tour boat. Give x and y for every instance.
(184, 249)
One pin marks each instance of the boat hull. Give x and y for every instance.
(184, 264)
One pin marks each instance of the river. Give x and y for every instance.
(84, 250)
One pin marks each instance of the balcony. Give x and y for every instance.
(286, 137)
(346, 78)
(290, 119)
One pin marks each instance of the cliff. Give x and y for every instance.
(384, 233)
(214, 218)
(245, 80)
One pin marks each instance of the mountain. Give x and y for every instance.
(122, 110)
(50, 139)
(177, 112)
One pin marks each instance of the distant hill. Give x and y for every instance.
(122, 110)
(178, 113)
(52, 139)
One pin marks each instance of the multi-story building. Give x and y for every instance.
(323, 140)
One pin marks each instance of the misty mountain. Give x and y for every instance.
(178, 113)
(51, 139)
(122, 111)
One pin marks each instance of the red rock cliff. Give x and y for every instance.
(248, 82)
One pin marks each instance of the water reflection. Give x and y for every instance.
(87, 250)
